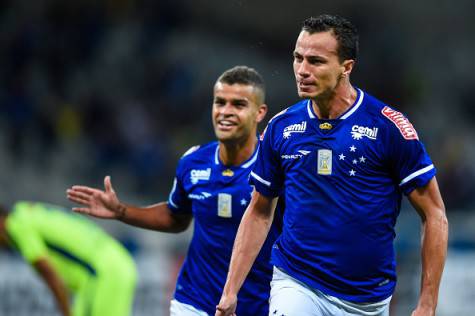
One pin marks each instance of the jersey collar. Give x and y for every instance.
(345, 115)
(246, 164)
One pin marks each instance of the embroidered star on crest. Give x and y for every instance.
(243, 202)
(362, 159)
(352, 173)
(353, 148)
(342, 157)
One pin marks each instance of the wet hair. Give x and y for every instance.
(246, 76)
(344, 31)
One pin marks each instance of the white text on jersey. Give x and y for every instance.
(201, 196)
(296, 156)
(196, 175)
(294, 128)
(357, 132)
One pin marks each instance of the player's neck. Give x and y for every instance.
(235, 153)
(333, 105)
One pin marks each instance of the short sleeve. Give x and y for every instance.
(409, 161)
(266, 175)
(178, 200)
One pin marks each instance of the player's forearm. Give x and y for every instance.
(55, 284)
(434, 251)
(250, 237)
(155, 217)
(61, 295)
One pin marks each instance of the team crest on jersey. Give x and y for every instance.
(294, 128)
(326, 126)
(402, 123)
(324, 161)
(358, 132)
(197, 175)
(228, 173)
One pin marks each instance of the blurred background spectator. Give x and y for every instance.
(121, 87)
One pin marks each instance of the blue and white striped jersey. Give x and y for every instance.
(343, 181)
(217, 196)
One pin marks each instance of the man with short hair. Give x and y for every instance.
(73, 256)
(345, 159)
(211, 186)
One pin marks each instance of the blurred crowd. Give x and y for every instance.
(90, 88)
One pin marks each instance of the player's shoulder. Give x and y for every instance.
(22, 208)
(199, 150)
(198, 160)
(198, 156)
(391, 119)
(372, 105)
(295, 112)
(22, 214)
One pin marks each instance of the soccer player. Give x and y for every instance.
(345, 159)
(73, 256)
(211, 186)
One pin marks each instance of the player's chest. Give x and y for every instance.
(223, 195)
(349, 150)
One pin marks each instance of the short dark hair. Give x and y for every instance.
(345, 33)
(246, 76)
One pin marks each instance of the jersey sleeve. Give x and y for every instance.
(409, 161)
(178, 200)
(25, 236)
(266, 175)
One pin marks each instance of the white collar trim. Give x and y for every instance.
(347, 114)
(245, 165)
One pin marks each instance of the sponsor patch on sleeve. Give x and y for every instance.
(402, 123)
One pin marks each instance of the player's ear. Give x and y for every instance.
(347, 65)
(261, 112)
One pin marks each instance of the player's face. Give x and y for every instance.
(236, 112)
(317, 68)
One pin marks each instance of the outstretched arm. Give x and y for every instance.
(428, 203)
(55, 284)
(250, 237)
(105, 204)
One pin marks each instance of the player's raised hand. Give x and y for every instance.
(227, 306)
(95, 202)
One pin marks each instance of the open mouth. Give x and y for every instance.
(226, 124)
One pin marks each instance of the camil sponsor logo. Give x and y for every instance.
(294, 128)
(196, 175)
(357, 132)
